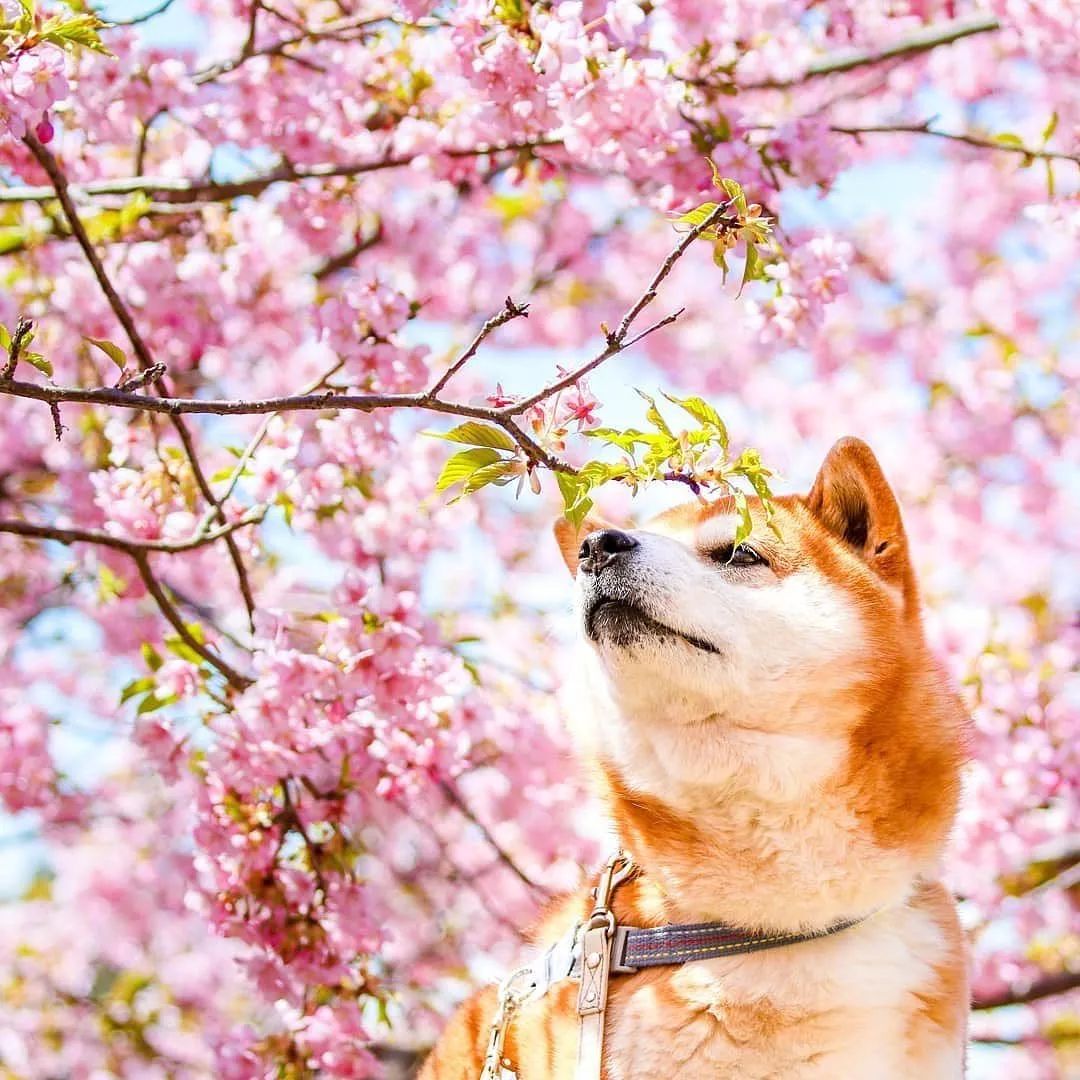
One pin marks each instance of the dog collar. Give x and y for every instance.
(598, 947)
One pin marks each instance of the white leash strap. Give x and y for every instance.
(596, 943)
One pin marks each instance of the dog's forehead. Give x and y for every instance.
(705, 524)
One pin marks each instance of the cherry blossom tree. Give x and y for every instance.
(278, 737)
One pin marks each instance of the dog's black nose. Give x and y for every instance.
(600, 548)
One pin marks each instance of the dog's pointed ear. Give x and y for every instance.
(853, 500)
(569, 537)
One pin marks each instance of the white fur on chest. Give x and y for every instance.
(836, 1009)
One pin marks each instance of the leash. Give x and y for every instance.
(598, 948)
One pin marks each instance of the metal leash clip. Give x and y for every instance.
(511, 997)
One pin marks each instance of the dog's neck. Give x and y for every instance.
(789, 831)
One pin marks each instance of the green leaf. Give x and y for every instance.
(692, 218)
(113, 352)
(151, 656)
(751, 268)
(14, 238)
(1008, 138)
(719, 256)
(733, 190)
(287, 505)
(463, 464)
(71, 31)
(179, 647)
(110, 585)
(226, 474)
(5, 338)
(498, 472)
(39, 361)
(625, 440)
(652, 414)
(151, 703)
(1051, 127)
(575, 493)
(137, 686)
(704, 414)
(746, 522)
(476, 434)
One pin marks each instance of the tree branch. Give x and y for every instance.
(146, 16)
(344, 259)
(616, 342)
(146, 361)
(168, 609)
(922, 41)
(122, 543)
(18, 340)
(331, 30)
(509, 311)
(503, 416)
(454, 797)
(1047, 986)
(981, 141)
(167, 190)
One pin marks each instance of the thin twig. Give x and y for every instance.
(454, 797)
(18, 340)
(616, 342)
(345, 259)
(146, 16)
(254, 444)
(330, 30)
(1047, 986)
(320, 402)
(122, 543)
(168, 609)
(922, 41)
(168, 190)
(509, 311)
(982, 142)
(146, 361)
(504, 416)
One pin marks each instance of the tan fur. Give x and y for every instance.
(820, 783)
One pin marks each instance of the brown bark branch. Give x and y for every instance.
(18, 340)
(332, 30)
(146, 16)
(131, 547)
(919, 42)
(167, 190)
(1046, 986)
(344, 259)
(168, 609)
(509, 311)
(616, 341)
(453, 796)
(504, 417)
(146, 362)
(982, 142)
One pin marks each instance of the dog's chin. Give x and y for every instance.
(620, 625)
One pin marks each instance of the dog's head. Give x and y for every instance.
(781, 665)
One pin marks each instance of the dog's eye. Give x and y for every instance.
(743, 555)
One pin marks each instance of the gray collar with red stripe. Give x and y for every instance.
(598, 948)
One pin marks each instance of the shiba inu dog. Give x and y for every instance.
(779, 752)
